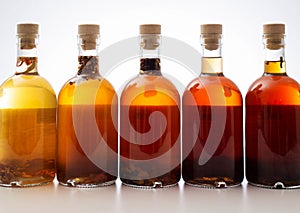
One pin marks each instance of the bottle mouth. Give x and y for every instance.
(150, 29)
(89, 41)
(274, 41)
(150, 41)
(88, 36)
(211, 41)
(27, 41)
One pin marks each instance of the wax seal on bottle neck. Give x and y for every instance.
(274, 36)
(211, 34)
(88, 34)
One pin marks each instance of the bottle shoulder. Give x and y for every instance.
(27, 81)
(86, 90)
(274, 90)
(27, 91)
(207, 81)
(273, 81)
(212, 90)
(152, 90)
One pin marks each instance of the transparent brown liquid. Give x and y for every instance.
(142, 174)
(273, 155)
(27, 156)
(74, 163)
(226, 163)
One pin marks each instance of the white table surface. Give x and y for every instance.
(118, 198)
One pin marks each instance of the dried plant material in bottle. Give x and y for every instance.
(28, 119)
(87, 121)
(27, 65)
(88, 65)
(150, 121)
(149, 64)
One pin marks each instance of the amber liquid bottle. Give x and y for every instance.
(27, 119)
(212, 137)
(87, 121)
(272, 120)
(150, 121)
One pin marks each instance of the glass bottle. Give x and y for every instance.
(272, 119)
(150, 121)
(212, 138)
(87, 121)
(28, 119)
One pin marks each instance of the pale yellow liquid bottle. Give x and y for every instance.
(27, 119)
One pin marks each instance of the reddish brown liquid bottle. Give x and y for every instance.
(87, 121)
(150, 122)
(272, 120)
(212, 137)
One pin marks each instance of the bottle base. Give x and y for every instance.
(76, 184)
(277, 185)
(156, 185)
(219, 185)
(27, 182)
(212, 183)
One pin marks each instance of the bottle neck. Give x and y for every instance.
(88, 59)
(274, 62)
(274, 55)
(212, 62)
(27, 60)
(149, 54)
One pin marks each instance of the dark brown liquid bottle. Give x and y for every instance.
(150, 122)
(87, 121)
(272, 119)
(27, 119)
(212, 137)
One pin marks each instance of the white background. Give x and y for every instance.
(242, 23)
(243, 63)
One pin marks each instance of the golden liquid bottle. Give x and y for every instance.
(150, 121)
(87, 121)
(212, 137)
(27, 119)
(272, 119)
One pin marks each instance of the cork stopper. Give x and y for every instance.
(211, 34)
(150, 29)
(27, 34)
(274, 29)
(28, 29)
(274, 36)
(211, 29)
(88, 29)
(89, 34)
